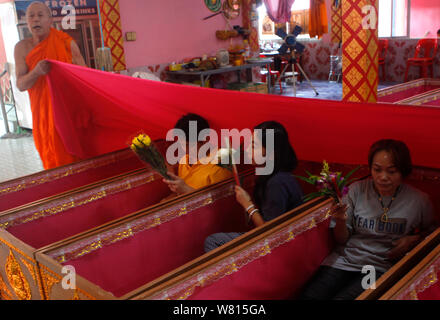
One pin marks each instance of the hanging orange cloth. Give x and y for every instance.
(318, 18)
(57, 46)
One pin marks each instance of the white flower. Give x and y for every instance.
(223, 156)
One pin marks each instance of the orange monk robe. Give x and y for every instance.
(318, 25)
(202, 173)
(57, 46)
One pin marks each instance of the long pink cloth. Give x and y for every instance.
(97, 112)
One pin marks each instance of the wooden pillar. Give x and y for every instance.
(112, 32)
(360, 50)
(250, 21)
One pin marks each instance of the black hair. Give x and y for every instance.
(399, 151)
(285, 159)
(284, 156)
(184, 121)
(438, 31)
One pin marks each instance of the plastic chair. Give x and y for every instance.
(383, 49)
(274, 74)
(425, 61)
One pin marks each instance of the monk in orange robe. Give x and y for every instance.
(31, 68)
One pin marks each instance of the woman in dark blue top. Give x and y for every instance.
(277, 191)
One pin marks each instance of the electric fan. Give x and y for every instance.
(295, 48)
(290, 40)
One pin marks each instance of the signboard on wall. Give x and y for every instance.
(82, 7)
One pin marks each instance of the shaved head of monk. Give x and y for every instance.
(39, 19)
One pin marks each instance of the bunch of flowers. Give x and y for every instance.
(328, 183)
(225, 159)
(147, 152)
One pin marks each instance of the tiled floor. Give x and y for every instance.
(18, 157)
(325, 89)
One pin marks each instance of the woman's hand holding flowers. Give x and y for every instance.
(242, 197)
(177, 185)
(339, 212)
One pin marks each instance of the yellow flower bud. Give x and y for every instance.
(146, 140)
(137, 142)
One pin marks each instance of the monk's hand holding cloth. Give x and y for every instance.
(42, 67)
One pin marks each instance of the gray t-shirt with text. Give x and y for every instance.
(370, 238)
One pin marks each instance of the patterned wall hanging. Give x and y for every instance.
(213, 5)
(111, 24)
(359, 53)
(336, 23)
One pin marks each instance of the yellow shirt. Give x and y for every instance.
(200, 175)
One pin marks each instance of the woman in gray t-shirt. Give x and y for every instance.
(382, 219)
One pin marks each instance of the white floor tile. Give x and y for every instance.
(18, 157)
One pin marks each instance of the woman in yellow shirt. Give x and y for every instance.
(201, 173)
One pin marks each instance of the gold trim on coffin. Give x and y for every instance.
(65, 173)
(421, 99)
(433, 98)
(230, 265)
(42, 283)
(17, 250)
(50, 278)
(5, 294)
(31, 270)
(28, 258)
(403, 87)
(81, 200)
(16, 278)
(427, 279)
(54, 210)
(76, 296)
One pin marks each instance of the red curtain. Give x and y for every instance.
(279, 11)
(96, 112)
